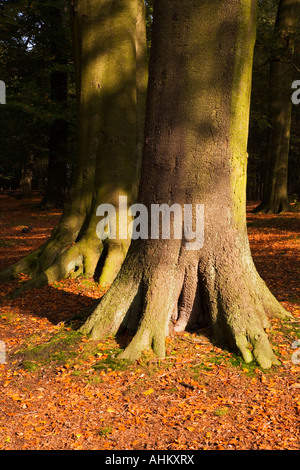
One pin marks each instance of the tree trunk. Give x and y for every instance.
(58, 138)
(275, 196)
(111, 78)
(26, 178)
(195, 153)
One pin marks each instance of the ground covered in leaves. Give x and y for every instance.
(61, 391)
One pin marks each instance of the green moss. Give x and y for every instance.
(105, 431)
(30, 366)
(221, 412)
(6, 243)
(111, 363)
(250, 369)
(59, 350)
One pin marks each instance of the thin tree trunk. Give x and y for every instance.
(195, 153)
(58, 138)
(275, 196)
(26, 178)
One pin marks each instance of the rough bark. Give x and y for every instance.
(111, 78)
(275, 195)
(195, 153)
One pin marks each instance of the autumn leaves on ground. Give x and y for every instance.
(60, 390)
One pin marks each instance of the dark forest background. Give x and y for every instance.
(38, 122)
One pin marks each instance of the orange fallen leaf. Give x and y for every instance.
(15, 397)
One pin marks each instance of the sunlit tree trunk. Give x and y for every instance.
(111, 77)
(195, 153)
(282, 72)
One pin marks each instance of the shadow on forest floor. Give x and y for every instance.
(63, 391)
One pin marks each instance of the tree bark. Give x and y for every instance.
(275, 195)
(58, 135)
(195, 153)
(111, 80)
(26, 178)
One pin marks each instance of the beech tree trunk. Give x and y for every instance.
(111, 79)
(275, 196)
(195, 153)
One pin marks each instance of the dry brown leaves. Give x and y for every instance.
(61, 391)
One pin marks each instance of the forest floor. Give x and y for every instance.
(62, 391)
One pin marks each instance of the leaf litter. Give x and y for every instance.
(60, 390)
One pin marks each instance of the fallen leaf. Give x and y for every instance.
(295, 385)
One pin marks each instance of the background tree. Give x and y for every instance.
(149, 19)
(195, 152)
(26, 66)
(282, 71)
(111, 82)
(259, 121)
(58, 29)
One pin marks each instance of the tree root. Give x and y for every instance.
(115, 254)
(148, 297)
(39, 260)
(277, 206)
(113, 308)
(25, 266)
(80, 259)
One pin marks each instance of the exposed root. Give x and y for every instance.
(272, 306)
(26, 266)
(143, 341)
(187, 297)
(140, 300)
(157, 306)
(115, 254)
(277, 206)
(39, 260)
(240, 318)
(80, 259)
(146, 300)
(256, 347)
(115, 307)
